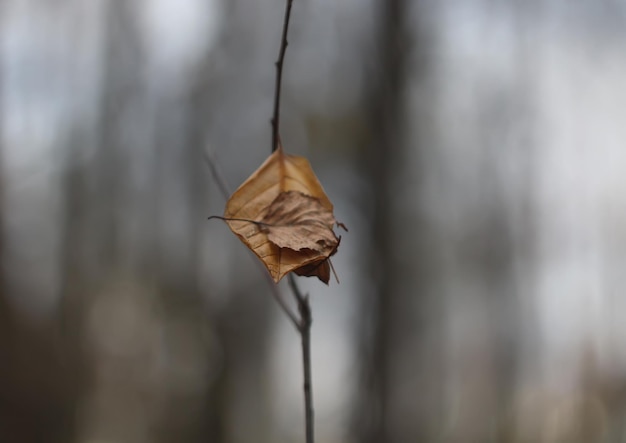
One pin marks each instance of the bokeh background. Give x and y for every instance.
(474, 148)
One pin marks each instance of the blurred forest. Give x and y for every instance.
(475, 149)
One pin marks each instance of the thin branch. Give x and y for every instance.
(279, 298)
(279, 76)
(221, 183)
(216, 173)
(303, 324)
(297, 293)
(305, 336)
(303, 301)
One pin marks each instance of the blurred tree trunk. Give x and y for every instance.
(517, 329)
(41, 370)
(393, 391)
(4, 303)
(236, 408)
(198, 99)
(387, 106)
(96, 179)
(121, 83)
(179, 141)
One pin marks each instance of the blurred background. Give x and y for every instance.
(474, 148)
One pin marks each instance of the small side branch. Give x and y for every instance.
(279, 76)
(216, 173)
(223, 186)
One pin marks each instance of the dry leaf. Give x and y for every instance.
(283, 215)
(298, 221)
(320, 269)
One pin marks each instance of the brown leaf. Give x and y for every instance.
(320, 270)
(298, 221)
(283, 215)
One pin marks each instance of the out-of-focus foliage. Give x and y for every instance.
(475, 149)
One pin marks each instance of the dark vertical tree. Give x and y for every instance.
(91, 188)
(120, 85)
(4, 304)
(515, 331)
(387, 107)
(392, 321)
(236, 403)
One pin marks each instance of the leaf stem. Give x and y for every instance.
(219, 217)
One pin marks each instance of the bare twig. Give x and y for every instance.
(279, 76)
(216, 173)
(302, 324)
(305, 336)
(279, 298)
(303, 301)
